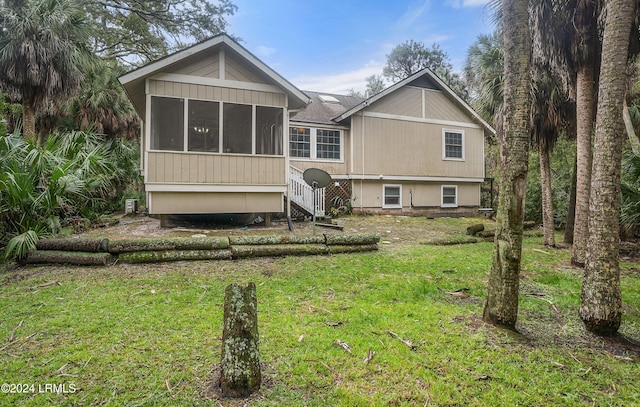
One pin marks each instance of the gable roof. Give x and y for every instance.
(418, 76)
(136, 77)
(324, 107)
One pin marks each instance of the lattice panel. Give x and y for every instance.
(336, 196)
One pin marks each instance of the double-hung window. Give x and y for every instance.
(452, 145)
(315, 143)
(449, 196)
(392, 195)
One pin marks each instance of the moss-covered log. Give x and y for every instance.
(240, 368)
(335, 249)
(352, 239)
(487, 233)
(272, 240)
(174, 255)
(278, 250)
(474, 229)
(529, 224)
(180, 243)
(452, 241)
(64, 257)
(74, 245)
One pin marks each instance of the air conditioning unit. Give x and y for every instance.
(130, 206)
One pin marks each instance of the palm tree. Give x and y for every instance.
(501, 306)
(565, 34)
(600, 299)
(550, 113)
(41, 50)
(102, 105)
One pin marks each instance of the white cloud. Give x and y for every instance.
(264, 51)
(339, 83)
(414, 11)
(466, 3)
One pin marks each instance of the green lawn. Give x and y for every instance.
(150, 334)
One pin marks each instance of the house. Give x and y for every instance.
(224, 133)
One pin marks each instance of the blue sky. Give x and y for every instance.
(333, 45)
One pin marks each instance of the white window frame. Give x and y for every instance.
(384, 196)
(448, 205)
(444, 146)
(313, 139)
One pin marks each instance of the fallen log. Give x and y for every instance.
(74, 245)
(330, 226)
(271, 240)
(529, 224)
(274, 250)
(174, 255)
(353, 239)
(487, 233)
(474, 229)
(335, 249)
(62, 257)
(451, 242)
(179, 243)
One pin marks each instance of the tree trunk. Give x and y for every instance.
(74, 245)
(584, 118)
(600, 299)
(548, 222)
(77, 258)
(278, 250)
(571, 210)
(28, 119)
(240, 368)
(501, 307)
(174, 255)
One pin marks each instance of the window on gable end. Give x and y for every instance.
(452, 145)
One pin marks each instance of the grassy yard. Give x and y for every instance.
(150, 334)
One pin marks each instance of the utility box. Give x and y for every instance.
(130, 206)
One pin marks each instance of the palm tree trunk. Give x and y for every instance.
(600, 299)
(548, 222)
(28, 119)
(571, 210)
(501, 307)
(584, 117)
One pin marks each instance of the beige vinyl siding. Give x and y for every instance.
(199, 168)
(438, 106)
(237, 71)
(205, 92)
(405, 101)
(214, 202)
(407, 148)
(208, 67)
(425, 194)
(333, 168)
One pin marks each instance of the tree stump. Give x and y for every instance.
(240, 367)
(475, 229)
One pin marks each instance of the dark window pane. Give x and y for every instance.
(204, 126)
(237, 124)
(167, 124)
(392, 195)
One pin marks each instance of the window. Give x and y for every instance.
(183, 124)
(268, 130)
(392, 196)
(449, 196)
(313, 143)
(453, 145)
(236, 128)
(204, 126)
(299, 142)
(167, 124)
(328, 144)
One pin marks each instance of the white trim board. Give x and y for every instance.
(168, 187)
(222, 83)
(411, 178)
(421, 120)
